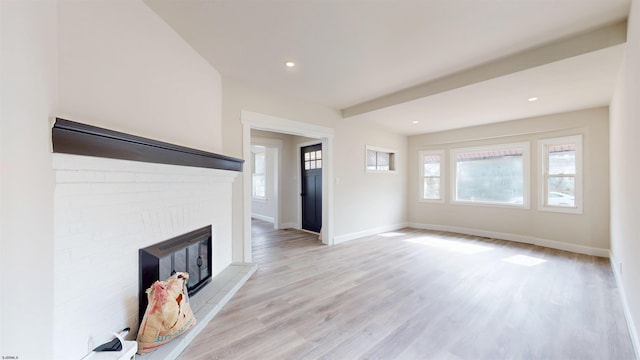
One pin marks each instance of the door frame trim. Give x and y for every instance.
(252, 120)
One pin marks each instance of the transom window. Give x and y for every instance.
(491, 175)
(380, 160)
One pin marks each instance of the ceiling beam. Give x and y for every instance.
(594, 40)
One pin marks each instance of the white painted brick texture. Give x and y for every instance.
(105, 210)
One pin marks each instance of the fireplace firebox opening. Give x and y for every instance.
(190, 252)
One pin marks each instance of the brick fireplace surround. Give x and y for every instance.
(104, 211)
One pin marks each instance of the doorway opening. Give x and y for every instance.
(322, 136)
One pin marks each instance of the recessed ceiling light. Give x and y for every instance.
(415, 122)
(532, 99)
(289, 64)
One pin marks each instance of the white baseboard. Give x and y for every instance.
(635, 340)
(356, 235)
(272, 221)
(580, 249)
(289, 226)
(262, 217)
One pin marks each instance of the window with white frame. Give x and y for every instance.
(431, 175)
(560, 180)
(380, 160)
(259, 168)
(491, 175)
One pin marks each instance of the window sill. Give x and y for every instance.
(561, 209)
(382, 171)
(494, 205)
(431, 201)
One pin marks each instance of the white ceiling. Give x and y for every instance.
(350, 52)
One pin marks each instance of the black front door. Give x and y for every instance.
(311, 158)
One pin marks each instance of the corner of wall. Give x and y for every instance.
(624, 172)
(616, 267)
(29, 48)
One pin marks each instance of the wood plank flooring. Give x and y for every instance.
(417, 294)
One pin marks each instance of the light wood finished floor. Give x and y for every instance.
(417, 294)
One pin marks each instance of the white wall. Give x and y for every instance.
(123, 68)
(28, 98)
(108, 63)
(367, 203)
(382, 192)
(587, 232)
(625, 172)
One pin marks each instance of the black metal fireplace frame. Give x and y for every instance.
(150, 259)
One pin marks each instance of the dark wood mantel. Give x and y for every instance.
(70, 137)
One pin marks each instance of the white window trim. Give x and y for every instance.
(526, 173)
(380, 149)
(443, 177)
(542, 185)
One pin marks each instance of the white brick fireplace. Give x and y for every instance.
(104, 211)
